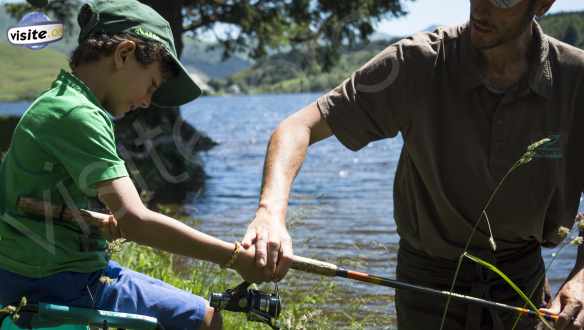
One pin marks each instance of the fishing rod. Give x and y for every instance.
(37, 207)
(331, 270)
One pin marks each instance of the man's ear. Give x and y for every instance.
(122, 51)
(543, 6)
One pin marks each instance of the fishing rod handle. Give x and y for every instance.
(314, 266)
(96, 223)
(41, 208)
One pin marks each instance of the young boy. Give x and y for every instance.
(63, 152)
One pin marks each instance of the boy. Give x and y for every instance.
(63, 152)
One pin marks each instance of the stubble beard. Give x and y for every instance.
(506, 36)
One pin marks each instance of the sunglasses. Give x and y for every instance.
(505, 3)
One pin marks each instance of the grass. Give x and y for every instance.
(302, 309)
(203, 278)
(26, 73)
(309, 301)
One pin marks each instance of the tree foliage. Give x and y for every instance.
(570, 36)
(559, 26)
(256, 27)
(259, 27)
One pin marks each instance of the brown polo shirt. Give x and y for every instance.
(461, 137)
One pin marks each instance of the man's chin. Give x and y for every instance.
(482, 43)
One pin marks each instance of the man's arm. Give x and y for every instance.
(141, 225)
(286, 152)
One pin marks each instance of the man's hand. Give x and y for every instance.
(569, 304)
(246, 266)
(273, 246)
(286, 151)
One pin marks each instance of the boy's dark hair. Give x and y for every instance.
(147, 52)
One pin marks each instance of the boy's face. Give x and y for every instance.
(132, 83)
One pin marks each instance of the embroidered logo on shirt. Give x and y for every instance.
(551, 150)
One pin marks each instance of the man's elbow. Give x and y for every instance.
(292, 130)
(308, 125)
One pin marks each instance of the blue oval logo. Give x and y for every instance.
(35, 31)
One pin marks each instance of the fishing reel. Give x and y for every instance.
(259, 306)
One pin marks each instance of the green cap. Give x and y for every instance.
(505, 3)
(135, 18)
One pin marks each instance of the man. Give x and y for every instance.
(468, 100)
(63, 151)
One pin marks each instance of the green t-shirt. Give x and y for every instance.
(62, 146)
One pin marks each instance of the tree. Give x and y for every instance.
(255, 27)
(571, 35)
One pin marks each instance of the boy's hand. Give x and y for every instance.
(106, 224)
(247, 267)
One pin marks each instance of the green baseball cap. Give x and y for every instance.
(505, 3)
(138, 19)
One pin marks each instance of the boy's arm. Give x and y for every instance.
(141, 225)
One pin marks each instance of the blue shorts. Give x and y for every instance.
(129, 292)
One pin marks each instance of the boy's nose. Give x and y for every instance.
(145, 102)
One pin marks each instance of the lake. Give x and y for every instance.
(341, 205)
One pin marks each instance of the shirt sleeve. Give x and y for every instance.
(370, 104)
(83, 141)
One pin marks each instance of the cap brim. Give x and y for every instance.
(177, 91)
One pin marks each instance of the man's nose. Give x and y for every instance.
(480, 8)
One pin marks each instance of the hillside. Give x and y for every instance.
(196, 55)
(199, 56)
(289, 73)
(25, 73)
(293, 73)
(568, 27)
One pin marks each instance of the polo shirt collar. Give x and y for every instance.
(540, 72)
(70, 80)
(540, 75)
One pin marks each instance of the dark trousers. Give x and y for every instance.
(421, 311)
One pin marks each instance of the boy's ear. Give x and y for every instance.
(122, 51)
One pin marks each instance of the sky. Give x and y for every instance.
(424, 13)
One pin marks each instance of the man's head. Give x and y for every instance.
(135, 47)
(497, 22)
